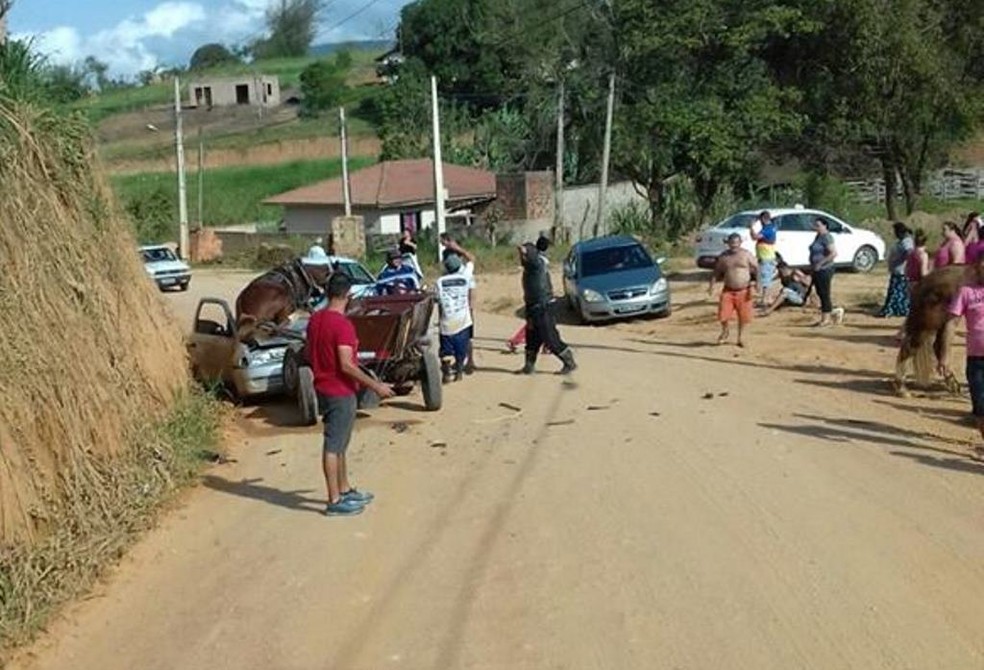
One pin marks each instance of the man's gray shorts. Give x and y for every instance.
(339, 418)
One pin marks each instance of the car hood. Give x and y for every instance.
(166, 266)
(615, 280)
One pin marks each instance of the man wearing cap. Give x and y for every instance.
(398, 273)
(541, 327)
(317, 263)
(454, 299)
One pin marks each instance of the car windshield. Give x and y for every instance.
(614, 259)
(737, 221)
(158, 254)
(355, 272)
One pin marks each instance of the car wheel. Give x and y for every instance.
(290, 369)
(865, 259)
(307, 398)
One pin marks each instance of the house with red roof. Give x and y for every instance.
(390, 196)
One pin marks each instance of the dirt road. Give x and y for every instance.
(676, 506)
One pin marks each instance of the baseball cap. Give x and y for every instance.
(452, 263)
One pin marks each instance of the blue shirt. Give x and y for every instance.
(404, 274)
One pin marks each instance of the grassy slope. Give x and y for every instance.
(102, 106)
(233, 195)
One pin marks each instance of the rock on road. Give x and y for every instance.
(673, 506)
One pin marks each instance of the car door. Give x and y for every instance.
(212, 344)
(794, 236)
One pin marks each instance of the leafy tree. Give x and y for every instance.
(66, 83)
(211, 55)
(697, 97)
(292, 25)
(894, 85)
(322, 87)
(96, 71)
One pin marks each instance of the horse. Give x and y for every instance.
(926, 331)
(274, 296)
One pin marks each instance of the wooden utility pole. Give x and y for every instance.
(201, 178)
(606, 153)
(438, 166)
(559, 169)
(183, 239)
(346, 187)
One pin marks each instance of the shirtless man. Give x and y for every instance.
(738, 270)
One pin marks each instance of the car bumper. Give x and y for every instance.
(608, 310)
(259, 380)
(172, 280)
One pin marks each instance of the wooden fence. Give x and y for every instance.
(944, 185)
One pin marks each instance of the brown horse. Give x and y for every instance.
(274, 296)
(926, 328)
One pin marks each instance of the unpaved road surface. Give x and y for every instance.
(676, 505)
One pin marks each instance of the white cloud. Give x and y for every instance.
(123, 47)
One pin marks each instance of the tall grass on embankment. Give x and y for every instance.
(96, 420)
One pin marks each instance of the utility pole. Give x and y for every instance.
(346, 187)
(201, 178)
(438, 166)
(559, 169)
(605, 157)
(183, 240)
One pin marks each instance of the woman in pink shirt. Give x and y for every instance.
(952, 250)
(974, 237)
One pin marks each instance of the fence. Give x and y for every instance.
(944, 185)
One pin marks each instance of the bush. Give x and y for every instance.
(153, 216)
(322, 87)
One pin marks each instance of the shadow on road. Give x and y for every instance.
(254, 490)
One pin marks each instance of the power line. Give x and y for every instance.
(354, 14)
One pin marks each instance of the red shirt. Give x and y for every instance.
(326, 331)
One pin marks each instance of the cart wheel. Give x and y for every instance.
(291, 367)
(430, 381)
(307, 399)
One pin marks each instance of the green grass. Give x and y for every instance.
(295, 129)
(232, 195)
(130, 99)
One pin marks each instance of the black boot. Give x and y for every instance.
(569, 365)
(530, 363)
(445, 372)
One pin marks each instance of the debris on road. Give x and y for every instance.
(273, 452)
(508, 406)
(595, 408)
(565, 422)
(400, 426)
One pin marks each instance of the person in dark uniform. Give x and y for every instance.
(541, 327)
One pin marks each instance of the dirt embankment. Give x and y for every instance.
(88, 351)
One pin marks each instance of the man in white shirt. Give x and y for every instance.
(454, 298)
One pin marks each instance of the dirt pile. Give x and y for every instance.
(87, 352)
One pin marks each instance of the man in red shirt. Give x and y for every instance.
(332, 349)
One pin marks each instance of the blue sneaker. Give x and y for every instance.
(361, 497)
(344, 508)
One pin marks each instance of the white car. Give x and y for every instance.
(857, 248)
(165, 268)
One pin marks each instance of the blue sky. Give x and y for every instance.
(134, 35)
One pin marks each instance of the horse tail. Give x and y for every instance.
(924, 361)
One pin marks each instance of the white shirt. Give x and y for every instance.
(452, 296)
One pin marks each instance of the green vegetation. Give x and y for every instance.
(232, 195)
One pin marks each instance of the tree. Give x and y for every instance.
(96, 70)
(894, 85)
(697, 98)
(322, 87)
(293, 25)
(211, 55)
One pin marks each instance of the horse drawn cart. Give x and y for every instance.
(393, 347)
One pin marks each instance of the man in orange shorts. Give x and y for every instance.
(738, 270)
